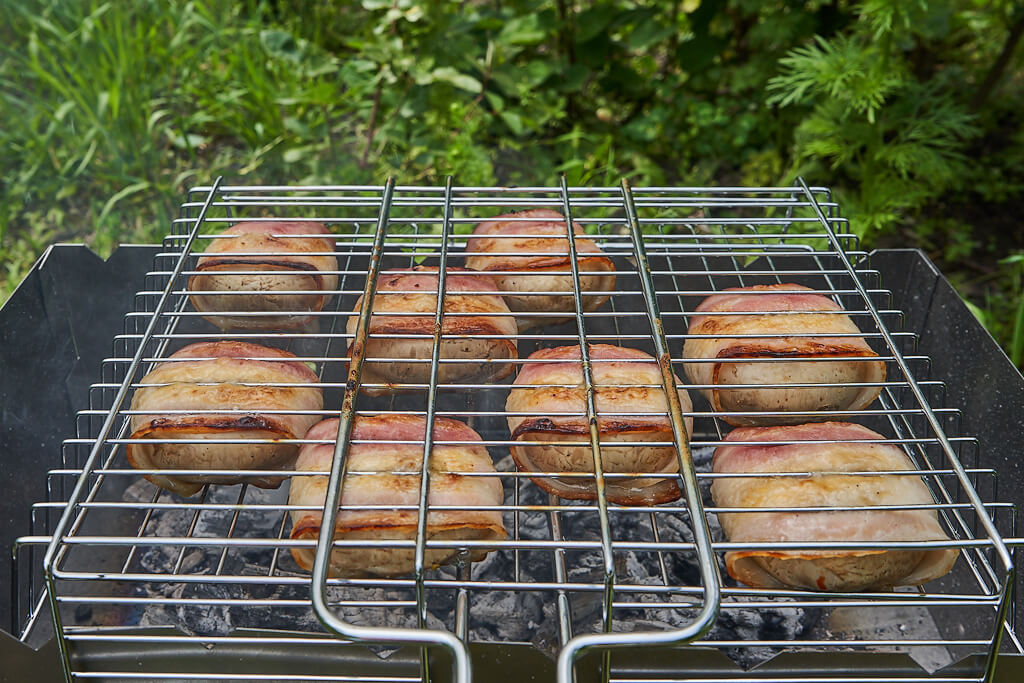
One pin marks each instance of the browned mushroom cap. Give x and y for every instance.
(780, 310)
(827, 570)
(627, 382)
(254, 381)
(545, 266)
(388, 474)
(263, 260)
(478, 327)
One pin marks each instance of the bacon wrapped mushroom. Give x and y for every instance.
(541, 236)
(782, 310)
(246, 378)
(402, 294)
(834, 479)
(388, 474)
(263, 259)
(551, 382)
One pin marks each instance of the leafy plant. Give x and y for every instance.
(893, 141)
(1011, 323)
(910, 111)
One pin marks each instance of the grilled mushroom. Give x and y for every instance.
(388, 474)
(826, 485)
(784, 309)
(541, 236)
(264, 259)
(551, 382)
(212, 376)
(469, 337)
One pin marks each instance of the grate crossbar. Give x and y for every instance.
(572, 576)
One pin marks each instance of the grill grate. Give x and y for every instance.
(572, 576)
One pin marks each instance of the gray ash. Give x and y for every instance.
(643, 568)
(495, 616)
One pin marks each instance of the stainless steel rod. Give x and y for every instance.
(324, 546)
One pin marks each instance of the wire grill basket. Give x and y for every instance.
(573, 576)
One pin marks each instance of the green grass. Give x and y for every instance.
(110, 111)
(113, 109)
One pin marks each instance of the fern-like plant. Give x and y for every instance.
(888, 140)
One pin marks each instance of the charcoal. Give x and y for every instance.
(495, 616)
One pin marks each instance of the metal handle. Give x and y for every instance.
(325, 541)
(691, 492)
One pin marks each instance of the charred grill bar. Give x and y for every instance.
(136, 573)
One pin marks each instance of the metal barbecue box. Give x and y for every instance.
(112, 578)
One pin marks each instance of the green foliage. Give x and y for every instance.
(852, 75)
(112, 110)
(1005, 311)
(893, 141)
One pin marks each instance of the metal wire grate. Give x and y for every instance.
(137, 566)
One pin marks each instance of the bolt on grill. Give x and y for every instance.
(572, 576)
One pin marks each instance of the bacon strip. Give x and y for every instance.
(616, 372)
(290, 264)
(785, 310)
(543, 237)
(212, 375)
(388, 474)
(829, 483)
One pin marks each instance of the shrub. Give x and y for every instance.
(907, 110)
